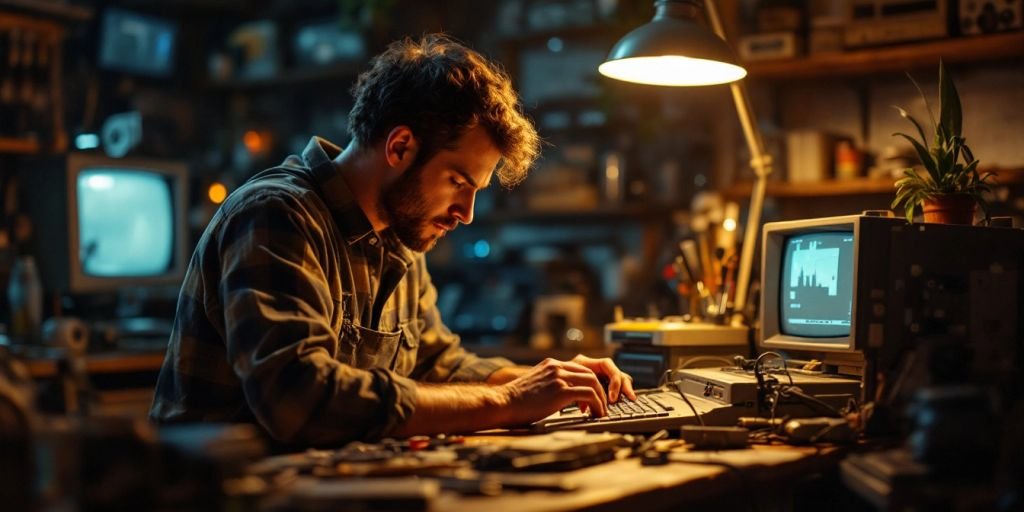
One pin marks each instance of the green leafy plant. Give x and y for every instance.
(950, 167)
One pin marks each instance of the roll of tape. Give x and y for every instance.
(69, 333)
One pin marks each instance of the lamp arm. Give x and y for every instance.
(760, 162)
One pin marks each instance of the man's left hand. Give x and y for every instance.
(618, 381)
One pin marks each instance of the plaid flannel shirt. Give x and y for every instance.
(295, 315)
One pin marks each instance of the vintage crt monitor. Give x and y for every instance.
(101, 224)
(824, 284)
(860, 292)
(865, 294)
(824, 295)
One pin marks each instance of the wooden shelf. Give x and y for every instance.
(19, 146)
(831, 188)
(49, 9)
(113, 362)
(601, 214)
(986, 48)
(854, 187)
(340, 71)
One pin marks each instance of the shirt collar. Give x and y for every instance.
(319, 156)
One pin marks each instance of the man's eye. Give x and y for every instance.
(457, 184)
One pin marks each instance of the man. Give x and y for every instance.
(307, 307)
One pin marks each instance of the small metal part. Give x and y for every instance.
(654, 458)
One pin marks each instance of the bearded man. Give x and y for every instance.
(307, 308)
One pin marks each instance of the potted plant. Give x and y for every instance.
(951, 188)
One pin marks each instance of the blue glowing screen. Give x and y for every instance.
(125, 223)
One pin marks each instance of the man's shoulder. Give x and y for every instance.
(278, 186)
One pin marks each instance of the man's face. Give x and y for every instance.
(429, 200)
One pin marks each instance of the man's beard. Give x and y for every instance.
(404, 207)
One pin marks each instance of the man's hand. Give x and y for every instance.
(618, 382)
(553, 384)
(516, 395)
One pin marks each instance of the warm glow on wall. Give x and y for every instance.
(254, 141)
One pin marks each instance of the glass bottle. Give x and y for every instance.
(25, 296)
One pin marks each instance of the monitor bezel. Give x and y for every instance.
(775, 235)
(176, 172)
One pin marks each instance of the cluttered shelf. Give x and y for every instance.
(992, 47)
(851, 187)
(292, 77)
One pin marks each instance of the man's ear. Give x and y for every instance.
(400, 148)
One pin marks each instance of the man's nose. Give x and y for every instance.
(462, 210)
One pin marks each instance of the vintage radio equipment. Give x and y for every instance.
(987, 16)
(769, 46)
(876, 22)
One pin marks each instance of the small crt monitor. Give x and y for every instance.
(818, 276)
(108, 223)
(137, 43)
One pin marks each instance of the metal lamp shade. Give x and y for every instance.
(672, 50)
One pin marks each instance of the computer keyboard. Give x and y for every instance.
(719, 396)
(653, 410)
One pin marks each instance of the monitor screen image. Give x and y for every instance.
(125, 223)
(816, 288)
(136, 43)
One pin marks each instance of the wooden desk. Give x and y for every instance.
(724, 479)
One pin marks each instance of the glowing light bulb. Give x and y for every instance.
(672, 70)
(217, 192)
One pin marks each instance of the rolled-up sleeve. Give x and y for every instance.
(280, 344)
(441, 357)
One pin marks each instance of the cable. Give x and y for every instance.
(897, 386)
(786, 391)
(824, 432)
(665, 377)
(679, 388)
(851, 406)
(760, 359)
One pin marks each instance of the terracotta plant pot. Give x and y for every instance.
(949, 209)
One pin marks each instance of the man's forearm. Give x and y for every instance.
(451, 408)
(514, 395)
(506, 375)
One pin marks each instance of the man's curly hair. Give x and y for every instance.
(440, 89)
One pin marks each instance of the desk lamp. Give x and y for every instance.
(674, 50)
